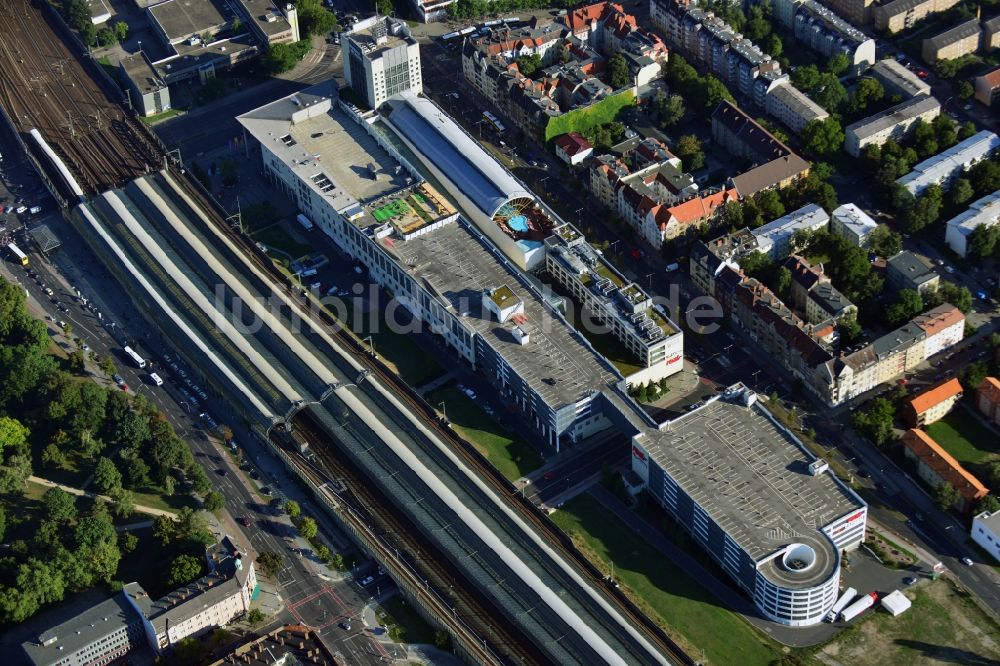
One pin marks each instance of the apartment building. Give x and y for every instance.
(933, 404)
(908, 271)
(901, 14)
(812, 293)
(893, 123)
(854, 372)
(707, 260)
(982, 212)
(211, 601)
(991, 34)
(622, 306)
(988, 88)
(898, 80)
(986, 532)
(383, 59)
(936, 466)
(988, 399)
(858, 12)
(792, 107)
(952, 43)
(272, 22)
(775, 238)
(774, 163)
(100, 634)
(852, 223)
(820, 29)
(942, 169)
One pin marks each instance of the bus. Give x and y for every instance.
(139, 361)
(494, 121)
(20, 256)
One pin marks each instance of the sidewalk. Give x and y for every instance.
(421, 653)
(83, 493)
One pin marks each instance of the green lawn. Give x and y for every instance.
(512, 456)
(160, 117)
(961, 435)
(414, 365)
(276, 237)
(687, 611)
(165, 503)
(412, 627)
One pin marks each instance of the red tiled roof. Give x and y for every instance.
(699, 208)
(572, 143)
(937, 319)
(939, 460)
(920, 403)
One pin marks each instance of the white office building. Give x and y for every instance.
(853, 224)
(943, 168)
(775, 238)
(985, 211)
(382, 59)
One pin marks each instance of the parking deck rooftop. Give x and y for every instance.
(751, 476)
(458, 264)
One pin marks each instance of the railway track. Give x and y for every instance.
(596, 578)
(44, 85)
(442, 586)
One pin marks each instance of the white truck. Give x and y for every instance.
(841, 603)
(306, 223)
(859, 607)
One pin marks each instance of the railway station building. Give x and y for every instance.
(765, 509)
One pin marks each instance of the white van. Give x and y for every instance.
(35, 210)
(156, 379)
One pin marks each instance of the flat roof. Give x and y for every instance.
(474, 171)
(752, 478)
(456, 262)
(911, 266)
(854, 218)
(982, 211)
(266, 15)
(142, 73)
(378, 34)
(799, 102)
(180, 19)
(940, 166)
(309, 132)
(895, 74)
(78, 630)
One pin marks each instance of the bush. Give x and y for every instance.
(282, 57)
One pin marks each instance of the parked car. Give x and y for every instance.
(367, 580)
(909, 580)
(967, 561)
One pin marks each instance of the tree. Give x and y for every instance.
(308, 528)
(961, 191)
(924, 139)
(269, 561)
(945, 130)
(108, 366)
(838, 64)
(957, 295)
(314, 19)
(773, 45)
(164, 530)
(908, 305)
(213, 501)
(124, 502)
(782, 282)
(528, 64)
(59, 505)
(988, 503)
(830, 93)
(128, 542)
(757, 27)
(885, 242)
(850, 331)
(688, 148)
(14, 474)
(732, 215)
(925, 211)
(669, 109)
(183, 570)
(618, 76)
(868, 91)
(975, 373)
(121, 30)
(967, 130)
(191, 526)
(769, 202)
(945, 496)
(293, 509)
(984, 241)
(985, 177)
(823, 137)
(13, 435)
(806, 78)
(875, 423)
(964, 89)
(756, 263)
(107, 478)
(255, 617)
(385, 7)
(283, 57)
(714, 91)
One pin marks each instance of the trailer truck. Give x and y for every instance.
(841, 603)
(859, 607)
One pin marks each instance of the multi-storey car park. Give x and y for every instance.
(171, 256)
(745, 488)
